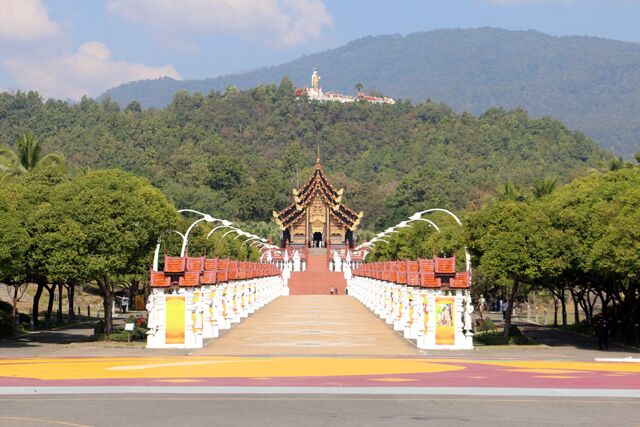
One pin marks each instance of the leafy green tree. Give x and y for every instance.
(225, 173)
(116, 221)
(35, 191)
(616, 164)
(28, 157)
(514, 243)
(14, 242)
(133, 107)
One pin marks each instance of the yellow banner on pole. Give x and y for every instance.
(175, 320)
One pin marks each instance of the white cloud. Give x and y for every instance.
(25, 20)
(89, 71)
(281, 22)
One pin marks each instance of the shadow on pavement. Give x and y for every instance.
(67, 335)
(554, 337)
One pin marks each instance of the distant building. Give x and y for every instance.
(315, 93)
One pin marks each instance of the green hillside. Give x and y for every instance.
(239, 154)
(590, 84)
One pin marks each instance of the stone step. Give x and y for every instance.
(317, 279)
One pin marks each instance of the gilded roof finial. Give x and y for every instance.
(318, 153)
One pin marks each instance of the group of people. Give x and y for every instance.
(501, 305)
(333, 290)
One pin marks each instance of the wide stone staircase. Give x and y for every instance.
(317, 279)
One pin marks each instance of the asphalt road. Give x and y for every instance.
(312, 410)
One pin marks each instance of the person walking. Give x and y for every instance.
(505, 309)
(602, 330)
(482, 305)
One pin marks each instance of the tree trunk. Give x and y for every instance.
(576, 309)
(564, 308)
(14, 309)
(107, 302)
(555, 312)
(52, 292)
(70, 294)
(59, 317)
(507, 320)
(36, 303)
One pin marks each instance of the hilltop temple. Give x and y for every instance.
(315, 93)
(317, 215)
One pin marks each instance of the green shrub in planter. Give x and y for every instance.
(514, 331)
(497, 338)
(489, 325)
(99, 329)
(6, 325)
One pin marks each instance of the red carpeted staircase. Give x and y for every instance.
(317, 279)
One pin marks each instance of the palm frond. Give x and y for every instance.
(53, 160)
(28, 150)
(9, 161)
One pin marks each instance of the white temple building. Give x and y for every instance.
(315, 93)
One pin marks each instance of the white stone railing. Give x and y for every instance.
(207, 310)
(433, 317)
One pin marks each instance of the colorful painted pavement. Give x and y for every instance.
(314, 372)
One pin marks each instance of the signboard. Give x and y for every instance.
(129, 327)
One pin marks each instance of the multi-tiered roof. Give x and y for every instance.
(318, 186)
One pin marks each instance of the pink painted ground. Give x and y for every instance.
(474, 375)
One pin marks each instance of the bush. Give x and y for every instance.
(99, 329)
(115, 336)
(6, 324)
(6, 308)
(514, 331)
(486, 325)
(497, 338)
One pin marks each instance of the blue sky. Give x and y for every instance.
(68, 48)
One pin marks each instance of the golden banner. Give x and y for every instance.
(175, 321)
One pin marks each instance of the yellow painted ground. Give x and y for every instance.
(272, 367)
(219, 367)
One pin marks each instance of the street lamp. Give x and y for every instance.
(233, 230)
(185, 236)
(225, 224)
(252, 237)
(428, 221)
(417, 216)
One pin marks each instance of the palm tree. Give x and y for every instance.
(28, 157)
(543, 187)
(511, 192)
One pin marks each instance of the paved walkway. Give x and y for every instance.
(311, 324)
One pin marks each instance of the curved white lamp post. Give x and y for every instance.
(428, 221)
(225, 224)
(185, 237)
(233, 230)
(417, 216)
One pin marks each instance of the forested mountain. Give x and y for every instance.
(590, 84)
(239, 154)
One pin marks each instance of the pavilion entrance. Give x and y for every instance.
(317, 240)
(317, 216)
